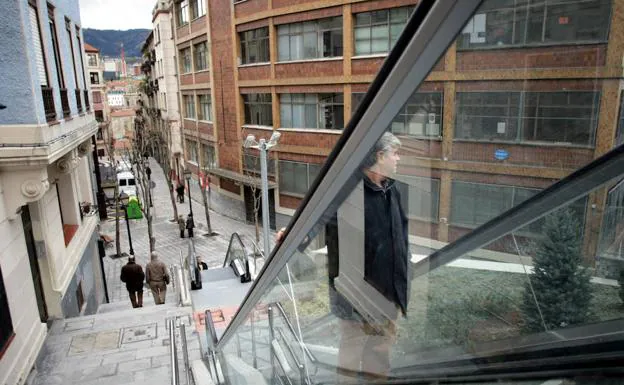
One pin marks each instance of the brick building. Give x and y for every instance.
(526, 95)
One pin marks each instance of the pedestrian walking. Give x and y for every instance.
(157, 278)
(181, 225)
(132, 274)
(180, 192)
(190, 225)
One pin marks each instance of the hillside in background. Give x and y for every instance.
(108, 41)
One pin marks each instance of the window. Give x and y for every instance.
(356, 99)
(210, 156)
(191, 150)
(55, 47)
(95, 77)
(258, 109)
(295, 178)
(251, 164)
(324, 111)
(422, 196)
(205, 107)
(189, 106)
(420, 116)
(97, 97)
(185, 61)
(377, 31)
(201, 56)
(6, 325)
(473, 204)
(198, 9)
(517, 23)
(557, 117)
(68, 29)
(93, 62)
(37, 43)
(310, 40)
(619, 136)
(255, 46)
(182, 9)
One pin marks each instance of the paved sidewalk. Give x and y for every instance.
(168, 241)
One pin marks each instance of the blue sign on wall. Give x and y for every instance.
(501, 154)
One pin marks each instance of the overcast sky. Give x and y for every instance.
(116, 14)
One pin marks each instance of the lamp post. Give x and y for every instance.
(263, 147)
(148, 171)
(187, 176)
(124, 198)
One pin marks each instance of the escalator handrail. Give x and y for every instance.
(227, 259)
(431, 29)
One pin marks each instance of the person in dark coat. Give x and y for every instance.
(180, 192)
(190, 225)
(132, 274)
(366, 346)
(181, 225)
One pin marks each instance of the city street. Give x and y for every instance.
(168, 242)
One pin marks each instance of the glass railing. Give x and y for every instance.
(480, 241)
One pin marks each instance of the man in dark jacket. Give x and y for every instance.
(180, 192)
(132, 274)
(365, 346)
(190, 225)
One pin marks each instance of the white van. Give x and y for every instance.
(126, 183)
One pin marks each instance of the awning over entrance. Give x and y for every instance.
(241, 178)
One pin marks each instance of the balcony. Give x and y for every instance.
(78, 100)
(65, 103)
(86, 98)
(48, 103)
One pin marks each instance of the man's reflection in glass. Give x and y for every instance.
(365, 345)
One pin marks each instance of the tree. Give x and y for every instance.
(251, 167)
(206, 186)
(558, 293)
(110, 149)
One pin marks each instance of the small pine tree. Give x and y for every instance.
(560, 284)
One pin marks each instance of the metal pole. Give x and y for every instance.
(185, 355)
(125, 209)
(265, 195)
(188, 181)
(173, 352)
(271, 337)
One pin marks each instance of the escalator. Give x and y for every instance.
(509, 292)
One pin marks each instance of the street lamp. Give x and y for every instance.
(124, 198)
(263, 147)
(187, 176)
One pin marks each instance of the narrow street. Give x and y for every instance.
(168, 241)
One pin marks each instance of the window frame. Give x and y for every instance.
(186, 60)
(200, 111)
(182, 10)
(249, 38)
(388, 23)
(197, 9)
(185, 99)
(309, 176)
(200, 56)
(314, 27)
(523, 116)
(522, 13)
(307, 103)
(255, 108)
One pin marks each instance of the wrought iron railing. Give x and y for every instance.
(65, 102)
(48, 103)
(78, 100)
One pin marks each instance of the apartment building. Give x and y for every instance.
(46, 163)
(526, 95)
(160, 70)
(95, 73)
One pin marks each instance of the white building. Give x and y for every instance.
(116, 98)
(46, 165)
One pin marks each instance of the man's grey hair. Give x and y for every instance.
(154, 256)
(386, 143)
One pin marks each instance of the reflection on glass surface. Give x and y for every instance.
(506, 120)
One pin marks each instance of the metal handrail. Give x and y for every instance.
(173, 350)
(227, 253)
(211, 338)
(185, 356)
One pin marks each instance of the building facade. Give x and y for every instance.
(524, 97)
(95, 71)
(46, 163)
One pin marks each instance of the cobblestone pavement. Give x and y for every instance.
(168, 241)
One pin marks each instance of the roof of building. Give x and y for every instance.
(90, 48)
(123, 113)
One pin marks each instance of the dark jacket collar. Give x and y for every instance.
(387, 183)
